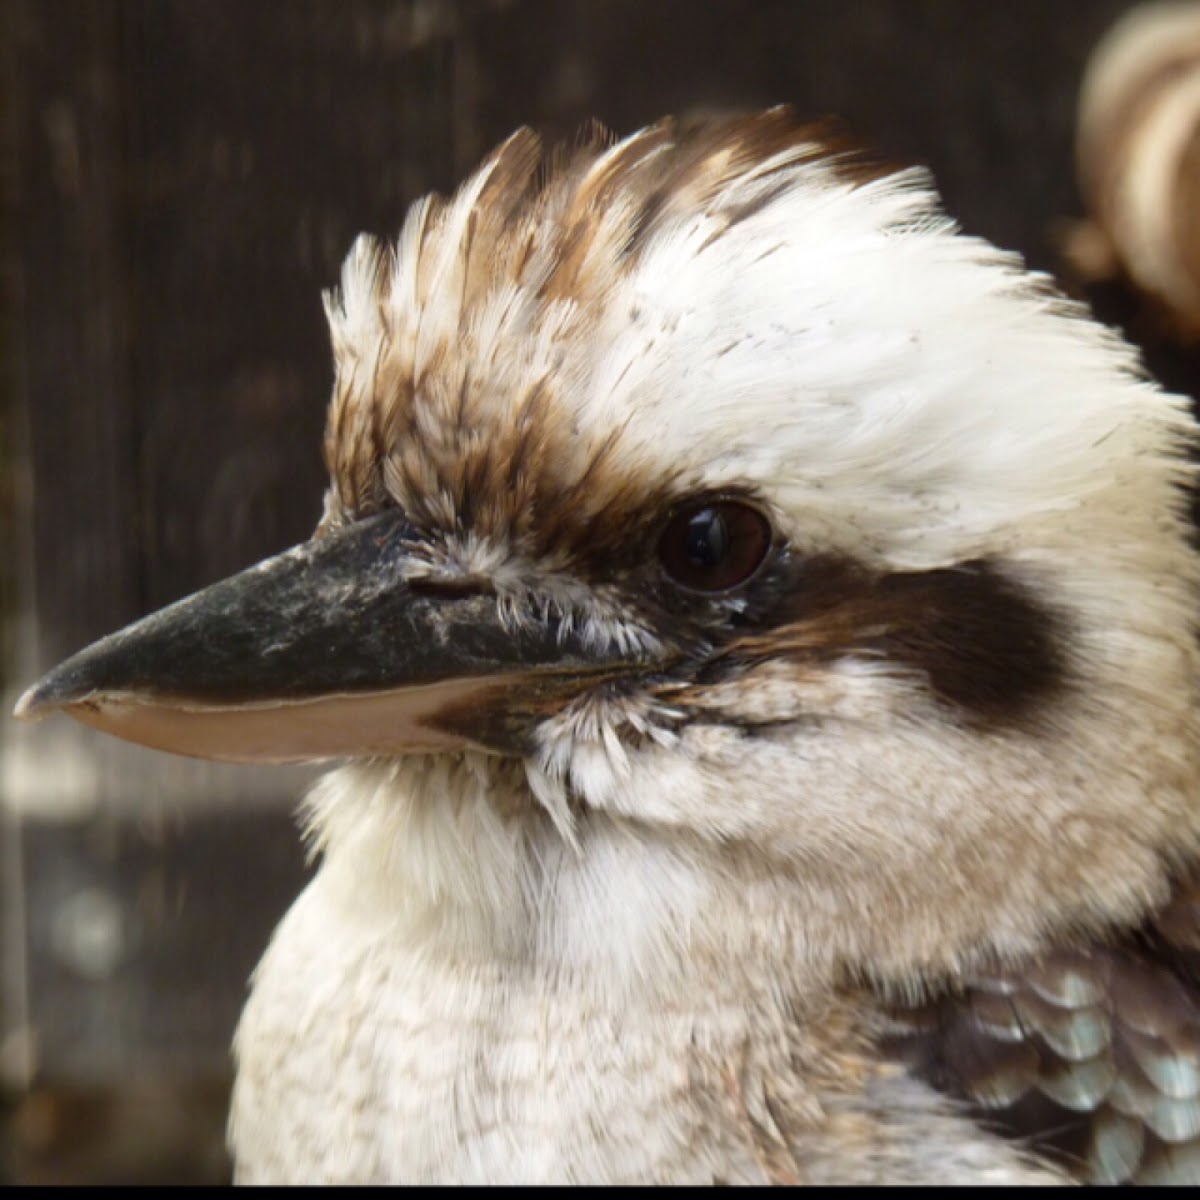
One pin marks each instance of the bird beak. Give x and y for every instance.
(335, 648)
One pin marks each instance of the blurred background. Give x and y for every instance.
(178, 182)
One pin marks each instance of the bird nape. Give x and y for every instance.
(759, 626)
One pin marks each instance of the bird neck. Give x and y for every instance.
(453, 855)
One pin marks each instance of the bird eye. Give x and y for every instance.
(714, 546)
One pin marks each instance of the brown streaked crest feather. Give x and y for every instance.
(423, 412)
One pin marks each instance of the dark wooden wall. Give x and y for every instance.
(180, 180)
(187, 175)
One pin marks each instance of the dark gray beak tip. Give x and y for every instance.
(61, 688)
(35, 703)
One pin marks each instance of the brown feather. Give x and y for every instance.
(560, 225)
(1089, 1056)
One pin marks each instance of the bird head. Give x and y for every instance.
(706, 499)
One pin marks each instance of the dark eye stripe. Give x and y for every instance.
(987, 645)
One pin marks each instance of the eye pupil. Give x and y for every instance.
(707, 538)
(714, 546)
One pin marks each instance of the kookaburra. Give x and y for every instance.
(759, 626)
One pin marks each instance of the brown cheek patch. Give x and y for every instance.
(985, 644)
(987, 647)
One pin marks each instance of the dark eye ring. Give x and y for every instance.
(714, 545)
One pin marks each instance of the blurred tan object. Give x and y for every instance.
(1138, 145)
(149, 1130)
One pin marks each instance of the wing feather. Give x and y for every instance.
(1090, 1056)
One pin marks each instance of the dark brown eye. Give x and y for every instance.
(714, 546)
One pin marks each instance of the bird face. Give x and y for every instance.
(708, 495)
